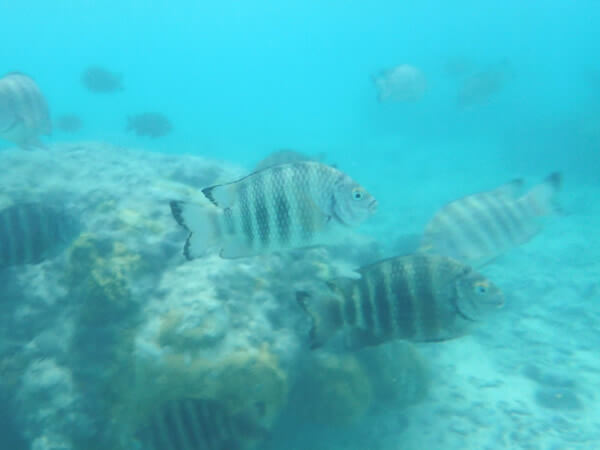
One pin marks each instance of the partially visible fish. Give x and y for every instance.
(286, 156)
(480, 87)
(69, 123)
(403, 83)
(149, 124)
(477, 228)
(420, 298)
(33, 232)
(24, 114)
(99, 80)
(280, 207)
(198, 424)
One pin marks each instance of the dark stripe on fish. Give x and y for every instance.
(464, 228)
(483, 218)
(425, 297)
(382, 303)
(306, 207)
(499, 216)
(39, 229)
(260, 210)
(365, 304)
(193, 423)
(246, 214)
(404, 309)
(216, 225)
(282, 206)
(350, 312)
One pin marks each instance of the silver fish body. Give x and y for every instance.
(32, 232)
(478, 228)
(403, 83)
(420, 298)
(280, 207)
(24, 113)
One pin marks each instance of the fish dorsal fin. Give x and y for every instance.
(510, 189)
(221, 195)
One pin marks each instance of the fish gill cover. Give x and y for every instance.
(110, 338)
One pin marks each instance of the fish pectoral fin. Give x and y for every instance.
(221, 195)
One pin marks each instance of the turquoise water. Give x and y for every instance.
(239, 80)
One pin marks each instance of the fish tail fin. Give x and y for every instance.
(195, 219)
(542, 197)
(323, 321)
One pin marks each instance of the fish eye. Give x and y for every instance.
(357, 194)
(481, 287)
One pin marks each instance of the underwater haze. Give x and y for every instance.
(181, 312)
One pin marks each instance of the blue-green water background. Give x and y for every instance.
(239, 79)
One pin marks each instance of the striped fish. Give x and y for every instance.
(24, 114)
(420, 298)
(285, 206)
(194, 424)
(33, 232)
(478, 228)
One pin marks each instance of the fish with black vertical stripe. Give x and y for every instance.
(198, 424)
(478, 228)
(33, 232)
(280, 207)
(419, 298)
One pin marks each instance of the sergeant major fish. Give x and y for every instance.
(24, 114)
(285, 206)
(198, 424)
(32, 232)
(419, 298)
(479, 227)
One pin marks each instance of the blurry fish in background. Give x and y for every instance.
(478, 228)
(280, 207)
(286, 156)
(480, 87)
(149, 124)
(33, 232)
(69, 123)
(458, 68)
(24, 114)
(99, 80)
(196, 424)
(420, 298)
(403, 83)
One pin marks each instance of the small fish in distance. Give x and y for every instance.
(281, 207)
(403, 83)
(149, 124)
(100, 81)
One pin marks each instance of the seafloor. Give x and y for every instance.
(93, 341)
